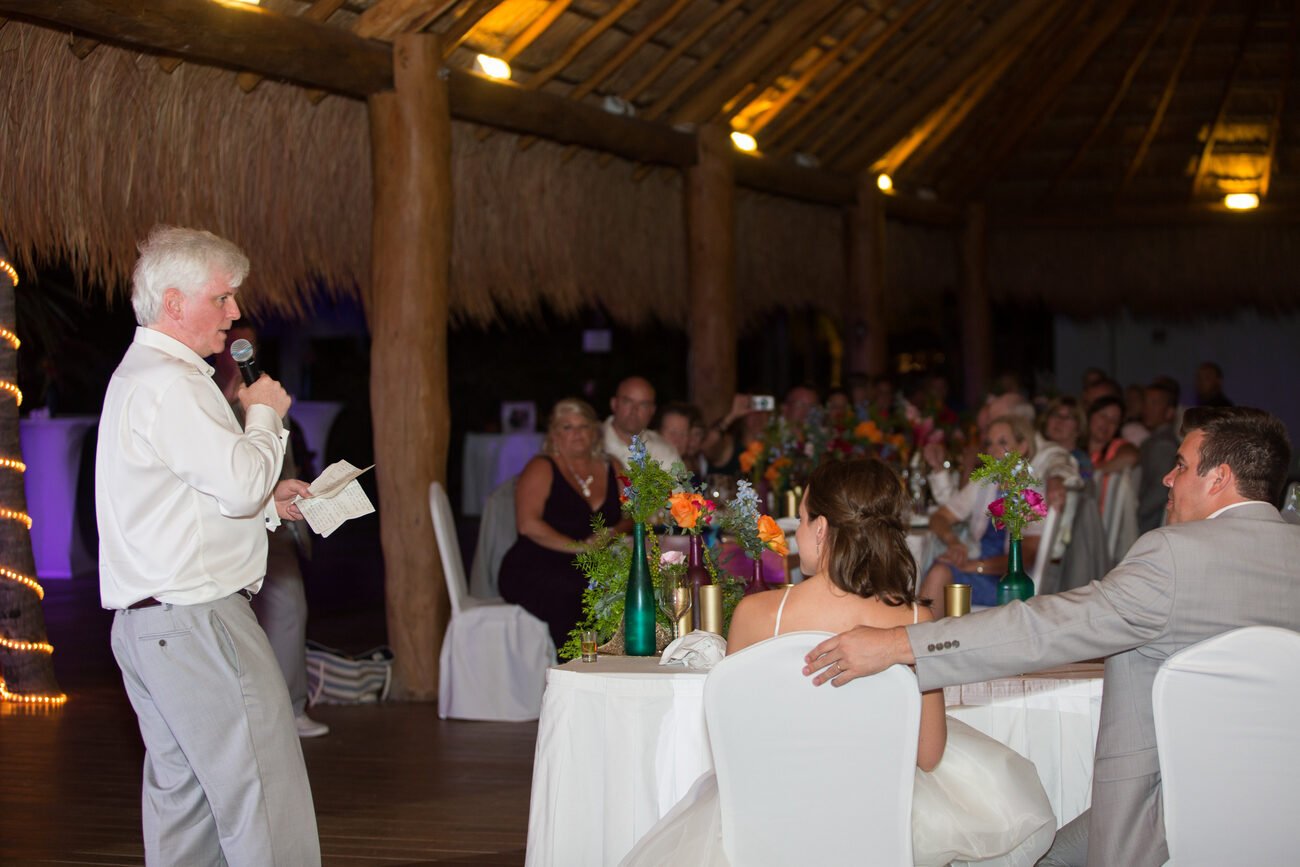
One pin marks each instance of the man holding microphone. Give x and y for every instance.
(184, 497)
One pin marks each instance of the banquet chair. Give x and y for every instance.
(1119, 512)
(497, 532)
(789, 791)
(494, 655)
(1225, 719)
(1052, 526)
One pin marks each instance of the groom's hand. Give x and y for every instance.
(857, 653)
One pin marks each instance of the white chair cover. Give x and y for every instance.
(1226, 716)
(1051, 530)
(1119, 515)
(497, 532)
(806, 774)
(494, 656)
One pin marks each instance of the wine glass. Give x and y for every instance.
(675, 599)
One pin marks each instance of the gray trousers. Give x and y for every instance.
(1070, 848)
(281, 608)
(224, 778)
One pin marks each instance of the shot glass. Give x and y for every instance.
(589, 641)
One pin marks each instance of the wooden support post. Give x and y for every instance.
(410, 136)
(864, 313)
(710, 229)
(973, 306)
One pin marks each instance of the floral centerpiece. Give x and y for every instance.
(1019, 505)
(645, 493)
(755, 531)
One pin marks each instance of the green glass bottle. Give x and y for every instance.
(1015, 584)
(639, 606)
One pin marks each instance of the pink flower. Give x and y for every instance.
(1035, 501)
(998, 509)
(672, 558)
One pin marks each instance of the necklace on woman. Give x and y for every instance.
(583, 484)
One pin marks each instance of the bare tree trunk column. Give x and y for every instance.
(976, 321)
(864, 314)
(410, 138)
(710, 227)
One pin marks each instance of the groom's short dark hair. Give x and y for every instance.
(1252, 442)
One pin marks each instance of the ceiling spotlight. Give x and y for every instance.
(618, 105)
(1241, 201)
(492, 67)
(744, 141)
(885, 182)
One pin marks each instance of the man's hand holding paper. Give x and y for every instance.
(334, 497)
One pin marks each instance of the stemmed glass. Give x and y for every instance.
(675, 599)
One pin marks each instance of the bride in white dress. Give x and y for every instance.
(974, 799)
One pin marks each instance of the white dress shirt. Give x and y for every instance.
(183, 495)
(656, 446)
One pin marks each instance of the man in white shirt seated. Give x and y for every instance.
(633, 405)
(184, 497)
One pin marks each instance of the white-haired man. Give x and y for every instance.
(184, 496)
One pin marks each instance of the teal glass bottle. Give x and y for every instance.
(1015, 584)
(639, 606)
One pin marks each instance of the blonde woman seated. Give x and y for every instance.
(974, 799)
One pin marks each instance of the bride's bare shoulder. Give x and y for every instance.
(753, 620)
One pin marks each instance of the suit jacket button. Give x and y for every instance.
(956, 644)
(947, 644)
(930, 647)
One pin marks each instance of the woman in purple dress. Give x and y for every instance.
(558, 493)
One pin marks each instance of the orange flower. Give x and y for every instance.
(749, 456)
(898, 441)
(773, 474)
(868, 431)
(685, 508)
(772, 535)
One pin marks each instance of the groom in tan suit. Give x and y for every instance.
(1226, 560)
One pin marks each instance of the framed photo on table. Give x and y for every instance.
(518, 416)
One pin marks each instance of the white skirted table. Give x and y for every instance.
(621, 740)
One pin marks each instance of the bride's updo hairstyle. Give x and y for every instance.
(863, 503)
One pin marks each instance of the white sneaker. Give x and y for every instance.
(308, 727)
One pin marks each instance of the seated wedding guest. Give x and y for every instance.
(1062, 424)
(799, 403)
(1169, 593)
(730, 435)
(860, 389)
(969, 506)
(883, 394)
(1209, 385)
(838, 403)
(1157, 453)
(1108, 451)
(633, 405)
(972, 798)
(676, 423)
(558, 493)
(1133, 429)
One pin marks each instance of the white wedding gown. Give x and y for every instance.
(983, 803)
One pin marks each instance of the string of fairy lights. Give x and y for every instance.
(15, 465)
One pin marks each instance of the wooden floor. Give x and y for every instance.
(392, 784)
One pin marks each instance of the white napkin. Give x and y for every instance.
(696, 650)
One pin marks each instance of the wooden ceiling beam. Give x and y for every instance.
(901, 63)
(1126, 81)
(320, 11)
(918, 105)
(1171, 84)
(389, 18)
(787, 122)
(460, 30)
(1229, 83)
(784, 62)
(705, 102)
(815, 69)
(535, 29)
(1275, 126)
(588, 36)
(698, 32)
(705, 64)
(1046, 95)
(631, 47)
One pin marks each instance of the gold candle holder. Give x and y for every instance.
(956, 600)
(711, 608)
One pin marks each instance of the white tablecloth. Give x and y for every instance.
(490, 459)
(621, 740)
(1050, 718)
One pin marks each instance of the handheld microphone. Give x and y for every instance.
(242, 352)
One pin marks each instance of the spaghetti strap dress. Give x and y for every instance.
(547, 583)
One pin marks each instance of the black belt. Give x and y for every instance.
(150, 602)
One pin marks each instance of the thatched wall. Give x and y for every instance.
(788, 254)
(94, 152)
(1190, 269)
